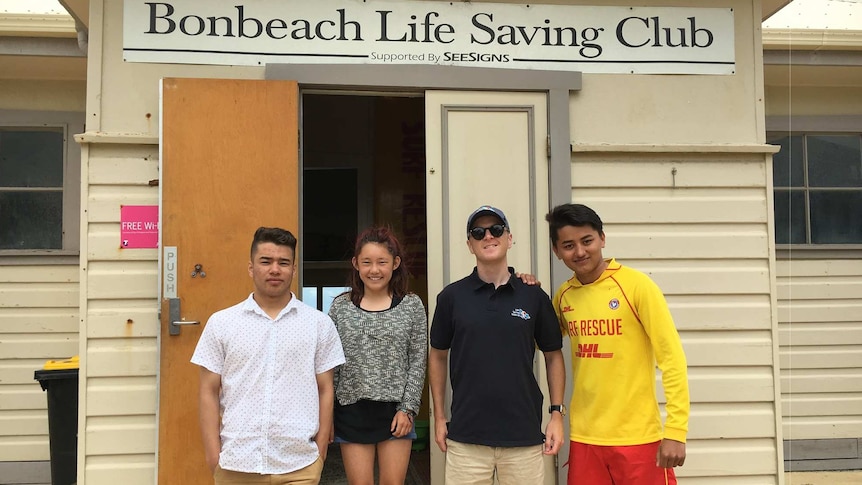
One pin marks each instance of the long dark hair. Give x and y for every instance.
(398, 283)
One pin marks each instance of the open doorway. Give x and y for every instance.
(363, 163)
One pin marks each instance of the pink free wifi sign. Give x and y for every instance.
(139, 226)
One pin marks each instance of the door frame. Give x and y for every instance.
(557, 87)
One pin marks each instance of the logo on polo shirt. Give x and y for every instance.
(517, 312)
(614, 304)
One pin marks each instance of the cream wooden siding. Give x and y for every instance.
(121, 353)
(820, 329)
(42, 95)
(702, 234)
(38, 322)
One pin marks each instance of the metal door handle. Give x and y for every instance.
(174, 319)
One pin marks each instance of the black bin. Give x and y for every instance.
(60, 379)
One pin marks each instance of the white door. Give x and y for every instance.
(486, 148)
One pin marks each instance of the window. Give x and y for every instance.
(39, 182)
(321, 297)
(817, 180)
(31, 188)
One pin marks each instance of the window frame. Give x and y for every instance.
(71, 122)
(817, 126)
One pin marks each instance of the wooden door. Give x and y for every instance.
(229, 164)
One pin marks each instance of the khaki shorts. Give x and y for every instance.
(468, 464)
(309, 475)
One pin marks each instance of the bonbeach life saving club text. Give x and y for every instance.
(429, 28)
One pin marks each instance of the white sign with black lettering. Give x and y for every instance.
(596, 39)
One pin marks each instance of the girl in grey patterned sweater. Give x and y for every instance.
(383, 331)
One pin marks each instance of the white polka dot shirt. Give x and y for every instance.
(269, 401)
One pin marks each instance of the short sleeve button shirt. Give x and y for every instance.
(269, 399)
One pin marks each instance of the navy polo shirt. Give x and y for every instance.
(491, 334)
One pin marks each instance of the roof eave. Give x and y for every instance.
(812, 39)
(79, 10)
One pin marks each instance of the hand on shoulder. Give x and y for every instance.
(528, 279)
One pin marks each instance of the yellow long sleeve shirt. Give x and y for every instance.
(620, 327)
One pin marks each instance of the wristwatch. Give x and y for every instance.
(560, 408)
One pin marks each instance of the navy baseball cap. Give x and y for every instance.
(487, 210)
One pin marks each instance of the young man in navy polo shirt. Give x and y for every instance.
(492, 323)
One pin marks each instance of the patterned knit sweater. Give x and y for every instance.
(385, 352)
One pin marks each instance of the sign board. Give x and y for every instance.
(590, 39)
(139, 226)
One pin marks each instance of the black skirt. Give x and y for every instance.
(364, 421)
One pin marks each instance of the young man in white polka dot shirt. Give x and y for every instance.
(267, 363)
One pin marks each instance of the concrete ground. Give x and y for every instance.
(795, 478)
(853, 477)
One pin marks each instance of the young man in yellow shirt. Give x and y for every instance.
(620, 328)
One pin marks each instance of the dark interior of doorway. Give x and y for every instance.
(363, 164)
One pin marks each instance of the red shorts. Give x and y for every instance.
(616, 465)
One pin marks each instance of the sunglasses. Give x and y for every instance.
(478, 233)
